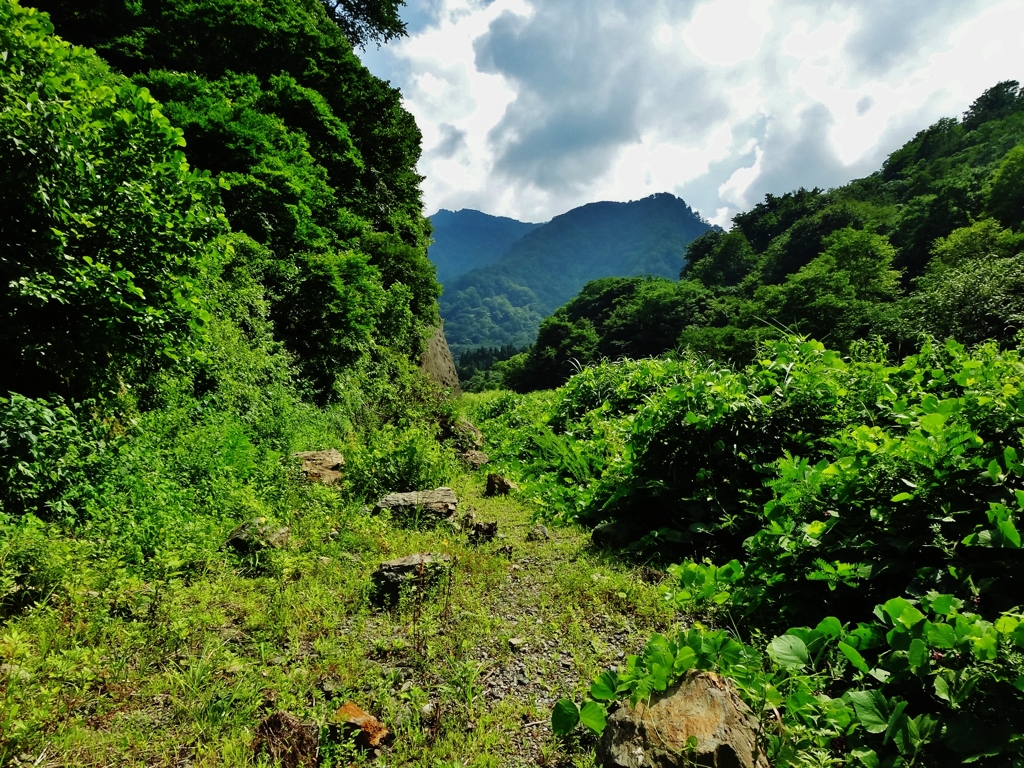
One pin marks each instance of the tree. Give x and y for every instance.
(107, 236)
(367, 21)
(998, 101)
(1006, 196)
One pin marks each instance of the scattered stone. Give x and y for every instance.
(428, 711)
(538, 533)
(469, 519)
(481, 533)
(517, 643)
(439, 504)
(256, 535)
(499, 486)
(14, 672)
(701, 708)
(322, 466)
(505, 551)
(475, 459)
(366, 730)
(417, 570)
(287, 741)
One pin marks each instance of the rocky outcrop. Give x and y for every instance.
(321, 466)
(499, 486)
(438, 504)
(412, 572)
(702, 709)
(437, 362)
(257, 535)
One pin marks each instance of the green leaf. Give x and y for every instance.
(918, 654)
(933, 423)
(594, 716)
(854, 656)
(871, 708)
(902, 497)
(564, 717)
(830, 626)
(789, 652)
(685, 659)
(603, 688)
(940, 635)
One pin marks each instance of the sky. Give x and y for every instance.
(529, 108)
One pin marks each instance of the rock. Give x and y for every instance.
(703, 707)
(437, 362)
(517, 643)
(366, 730)
(14, 672)
(436, 505)
(617, 534)
(538, 533)
(287, 741)
(322, 466)
(423, 569)
(475, 459)
(428, 711)
(499, 486)
(483, 532)
(256, 535)
(469, 519)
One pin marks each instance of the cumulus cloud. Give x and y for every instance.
(531, 107)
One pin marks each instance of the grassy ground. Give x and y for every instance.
(180, 672)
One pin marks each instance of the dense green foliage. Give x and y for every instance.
(480, 369)
(931, 243)
(804, 486)
(505, 302)
(466, 240)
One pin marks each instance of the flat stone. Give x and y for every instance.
(436, 505)
(422, 569)
(322, 466)
(702, 707)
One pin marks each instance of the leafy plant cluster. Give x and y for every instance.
(931, 243)
(811, 483)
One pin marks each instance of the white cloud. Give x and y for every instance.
(531, 107)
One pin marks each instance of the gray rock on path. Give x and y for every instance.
(420, 570)
(439, 504)
(499, 486)
(483, 532)
(322, 466)
(256, 535)
(702, 706)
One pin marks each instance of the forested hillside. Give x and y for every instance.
(930, 243)
(505, 302)
(466, 240)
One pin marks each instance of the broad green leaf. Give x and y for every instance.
(788, 652)
(872, 710)
(933, 423)
(944, 604)
(854, 656)
(1009, 533)
(830, 626)
(902, 497)
(685, 659)
(594, 716)
(940, 635)
(918, 654)
(564, 717)
(603, 688)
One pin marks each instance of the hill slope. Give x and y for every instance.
(505, 302)
(466, 240)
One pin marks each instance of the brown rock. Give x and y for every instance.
(322, 466)
(256, 535)
(475, 459)
(439, 504)
(422, 569)
(287, 741)
(437, 363)
(366, 730)
(499, 486)
(702, 707)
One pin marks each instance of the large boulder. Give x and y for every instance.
(435, 505)
(321, 466)
(411, 572)
(699, 721)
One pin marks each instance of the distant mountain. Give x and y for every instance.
(503, 303)
(466, 240)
